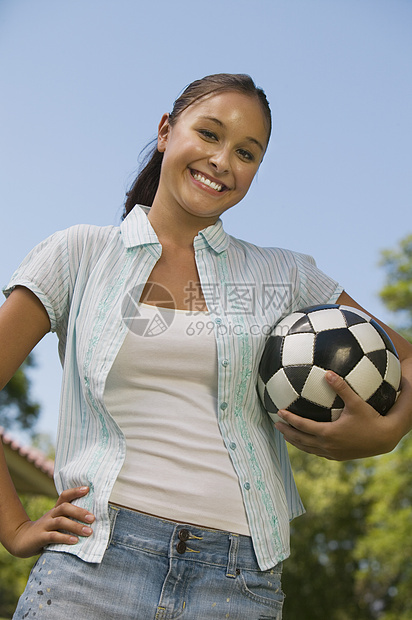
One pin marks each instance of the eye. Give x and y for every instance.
(209, 135)
(246, 155)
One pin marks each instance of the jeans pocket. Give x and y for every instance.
(263, 587)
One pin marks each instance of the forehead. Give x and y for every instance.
(235, 110)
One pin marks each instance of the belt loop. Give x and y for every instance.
(113, 511)
(232, 557)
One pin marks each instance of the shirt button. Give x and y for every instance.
(223, 406)
(184, 535)
(232, 445)
(181, 547)
(218, 321)
(246, 486)
(225, 363)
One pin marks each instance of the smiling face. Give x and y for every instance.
(211, 154)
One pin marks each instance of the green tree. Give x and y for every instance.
(351, 552)
(17, 409)
(319, 577)
(383, 553)
(397, 292)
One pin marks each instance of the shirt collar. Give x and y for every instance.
(136, 230)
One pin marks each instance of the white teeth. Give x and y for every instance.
(205, 181)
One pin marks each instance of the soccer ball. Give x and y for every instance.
(307, 343)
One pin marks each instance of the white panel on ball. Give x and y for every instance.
(298, 349)
(393, 370)
(368, 337)
(323, 320)
(279, 385)
(317, 390)
(364, 378)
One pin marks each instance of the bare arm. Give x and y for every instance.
(23, 323)
(360, 431)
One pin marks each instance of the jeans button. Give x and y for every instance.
(181, 546)
(184, 535)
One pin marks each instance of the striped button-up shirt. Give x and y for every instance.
(84, 274)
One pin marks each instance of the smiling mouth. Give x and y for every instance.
(198, 176)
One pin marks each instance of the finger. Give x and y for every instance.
(73, 512)
(76, 512)
(70, 494)
(305, 447)
(59, 538)
(295, 436)
(50, 530)
(47, 538)
(67, 525)
(56, 537)
(342, 389)
(304, 425)
(312, 443)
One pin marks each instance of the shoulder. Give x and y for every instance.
(78, 236)
(88, 246)
(78, 247)
(82, 241)
(276, 254)
(88, 234)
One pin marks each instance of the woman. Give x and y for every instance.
(163, 444)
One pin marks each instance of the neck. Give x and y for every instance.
(177, 229)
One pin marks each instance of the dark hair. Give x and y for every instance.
(145, 186)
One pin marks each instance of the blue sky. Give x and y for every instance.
(84, 84)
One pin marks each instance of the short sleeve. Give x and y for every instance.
(314, 286)
(45, 271)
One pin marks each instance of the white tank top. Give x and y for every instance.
(162, 392)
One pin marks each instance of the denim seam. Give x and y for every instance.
(113, 514)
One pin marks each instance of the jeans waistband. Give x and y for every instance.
(182, 541)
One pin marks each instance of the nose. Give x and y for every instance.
(219, 160)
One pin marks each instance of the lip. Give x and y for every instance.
(194, 172)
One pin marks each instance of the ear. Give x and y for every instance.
(163, 133)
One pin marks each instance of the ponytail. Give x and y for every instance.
(145, 185)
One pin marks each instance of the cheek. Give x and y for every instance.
(183, 155)
(246, 179)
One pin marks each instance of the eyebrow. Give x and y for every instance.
(249, 138)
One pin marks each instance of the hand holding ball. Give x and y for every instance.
(308, 343)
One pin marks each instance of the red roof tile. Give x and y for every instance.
(32, 455)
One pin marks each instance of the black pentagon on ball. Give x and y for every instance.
(302, 326)
(379, 359)
(383, 399)
(337, 350)
(306, 409)
(272, 354)
(297, 376)
(353, 318)
(268, 403)
(338, 403)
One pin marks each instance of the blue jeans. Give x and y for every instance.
(155, 569)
